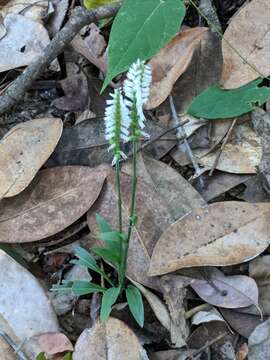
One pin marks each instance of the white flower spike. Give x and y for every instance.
(117, 122)
(137, 88)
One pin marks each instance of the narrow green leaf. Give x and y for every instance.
(112, 237)
(41, 356)
(217, 103)
(104, 227)
(140, 30)
(86, 287)
(108, 299)
(85, 258)
(66, 286)
(68, 356)
(135, 303)
(109, 255)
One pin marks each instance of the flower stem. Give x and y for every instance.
(118, 185)
(123, 267)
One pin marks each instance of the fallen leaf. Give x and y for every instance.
(111, 341)
(92, 45)
(254, 190)
(171, 62)
(24, 42)
(218, 235)
(147, 230)
(206, 316)
(76, 94)
(85, 144)
(230, 292)
(243, 324)
(56, 19)
(6, 352)
(171, 355)
(23, 150)
(179, 195)
(31, 9)
(246, 34)
(242, 352)
(54, 342)
(23, 304)
(259, 342)
(56, 198)
(241, 155)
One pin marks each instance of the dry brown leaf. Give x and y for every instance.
(241, 155)
(227, 291)
(249, 33)
(111, 341)
(24, 42)
(92, 45)
(23, 150)
(154, 218)
(56, 198)
(221, 234)
(170, 63)
(24, 305)
(242, 352)
(176, 192)
(54, 342)
(259, 342)
(31, 9)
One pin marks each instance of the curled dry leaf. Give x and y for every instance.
(112, 341)
(23, 150)
(221, 234)
(227, 291)
(92, 45)
(24, 305)
(252, 40)
(24, 42)
(54, 342)
(153, 220)
(176, 192)
(56, 198)
(170, 63)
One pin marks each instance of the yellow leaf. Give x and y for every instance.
(93, 4)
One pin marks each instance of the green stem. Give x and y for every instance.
(118, 185)
(123, 267)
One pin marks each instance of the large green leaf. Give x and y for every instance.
(135, 303)
(140, 29)
(108, 299)
(217, 103)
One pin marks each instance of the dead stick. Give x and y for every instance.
(182, 134)
(80, 17)
(224, 142)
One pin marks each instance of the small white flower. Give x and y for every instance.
(137, 88)
(117, 122)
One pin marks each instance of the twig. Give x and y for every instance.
(79, 18)
(182, 134)
(17, 351)
(209, 11)
(224, 142)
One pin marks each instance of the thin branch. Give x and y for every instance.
(17, 350)
(182, 134)
(80, 17)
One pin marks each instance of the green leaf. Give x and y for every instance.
(104, 227)
(108, 299)
(68, 356)
(85, 259)
(141, 28)
(86, 287)
(217, 103)
(135, 303)
(110, 255)
(41, 356)
(66, 286)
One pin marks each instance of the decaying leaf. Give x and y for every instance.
(56, 198)
(24, 42)
(23, 304)
(259, 342)
(206, 316)
(221, 234)
(31, 9)
(23, 150)
(249, 33)
(149, 227)
(241, 155)
(54, 343)
(227, 291)
(111, 341)
(170, 63)
(179, 195)
(85, 144)
(92, 45)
